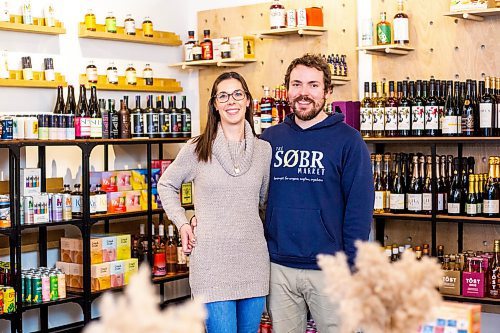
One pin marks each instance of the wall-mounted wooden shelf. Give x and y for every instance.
(164, 38)
(302, 31)
(202, 64)
(340, 80)
(475, 15)
(16, 80)
(160, 85)
(391, 49)
(38, 26)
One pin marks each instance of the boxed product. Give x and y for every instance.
(107, 179)
(123, 180)
(155, 177)
(453, 317)
(30, 182)
(242, 47)
(133, 201)
(116, 271)
(473, 284)
(76, 276)
(139, 179)
(161, 164)
(144, 199)
(216, 42)
(116, 202)
(96, 253)
(108, 248)
(40, 208)
(462, 5)
(101, 278)
(66, 244)
(130, 266)
(451, 283)
(187, 194)
(63, 266)
(71, 250)
(123, 247)
(314, 16)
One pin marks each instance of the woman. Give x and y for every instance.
(229, 166)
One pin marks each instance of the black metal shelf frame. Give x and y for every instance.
(86, 297)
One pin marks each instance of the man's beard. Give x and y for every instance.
(307, 115)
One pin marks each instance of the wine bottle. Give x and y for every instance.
(471, 202)
(380, 187)
(137, 120)
(186, 119)
(401, 26)
(415, 189)
(386, 174)
(455, 196)
(404, 112)
(432, 112)
(163, 117)
(418, 112)
(366, 114)
(398, 189)
(458, 107)
(69, 114)
(441, 191)
(106, 117)
(150, 116)
(479, 195)
(491, 195)
(58, 131)
(378, 111)
(445, 187)
(486, 109)
(391, 112)
(450, 119)
(114, 132)
(175, 118)
(95, 115)
(82, 116)
(124, 121)
(468, 112)
(427, 186)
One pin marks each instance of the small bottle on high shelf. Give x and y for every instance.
(131, 75)
(124, 121)
(188, 46)
(147, 74)
(112, 73)
(383, 30)
(90, 23)
(225, 48)
(147, 27)
(401, 25)
(197, 51)
(129, 25)
(110, 23)
(277, 15)
(91, 72)
(207, 52)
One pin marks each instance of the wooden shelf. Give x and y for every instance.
(16, 80)
(38, 27)
(161, 85)
(430, 139)
(475, 15)
(391, 49)
(340, 80)
(164, 38)
(202, 64)
(302, 31)
(439, 218)
(392, 216)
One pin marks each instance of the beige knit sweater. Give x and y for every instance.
(230, 260)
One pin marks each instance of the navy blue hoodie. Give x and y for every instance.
(320, 193)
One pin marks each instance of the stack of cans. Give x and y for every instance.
(59, 209)
(43, 285)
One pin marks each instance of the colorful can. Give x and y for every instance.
(29, 212)
(31, 128)
(7, 128)
(5, 211)
(291, 18)
(18, 127)
(43, 126)
(45, 287)
(23, 287)
(61, 284)
(1, 300)
(67, 207)
(36, 289)
(21, 216)
(54, 291)
(9, 300)
(57, 206)
(27, 288)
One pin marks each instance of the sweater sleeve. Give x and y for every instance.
(357, 185)
(182, 170)
(264, 187)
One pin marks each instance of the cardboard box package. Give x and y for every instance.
(451, 283)
(123, 180)
(131, 266)
(101, 278)
(139, 180)
(116, 202)
(71, 250)
(133, 201)
(453, 317)
(76, 276)
(107, 179)
(108, 248)
(462, 5)
(155, 178)
(144, 199)
(96, 256)
(123, 247)
(117, 271)
(30, 182)
(242, 47)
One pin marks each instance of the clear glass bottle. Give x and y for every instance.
(131, 75)
(401, 25)
(112, 73)
(147, 74)
(129, 25)
(91, 72)
(383, 30)
(277, 15)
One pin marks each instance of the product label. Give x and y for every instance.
(257, 125)
(404, 118)
(159, 264)
(181, 257)
(378, 119)
(164, 123)
(391, 119)
(379, 200)
(418, 117)
(176, 122)
(441, 115)
(196, 52)
(485, 115)
(131, 77)
(468, 124)
(84, 126)
(301, 17)
(112, 75)
(453, 208)
(130, 27)
(431, 118)
(147, 74)
(471, 209)
(291, 18)
(96, 128)
(111, 25)
(147, 29)
(137, 127)
(76, 203)
(92, 74)
(265, 120)
(225, 49)
(277, 18)
(186, 123)
(414, 202)
(397, 201)
(366, 119)
(479, 208)
(401, 29)
(440, 202)
(383, 34)
(450, 125)
(101, 203)
(491, 206)
(93, 204)
(427, 201)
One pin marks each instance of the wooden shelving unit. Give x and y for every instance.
(202, 64)
(164, 38)
(475, 15)
(161, 85)
(38, 27)
(301, 31)
(437, 139)
(340, 80)
(391, 49)
(16, 80)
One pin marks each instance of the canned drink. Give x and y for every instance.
(53, 126)
(61, 129)
(21, 216)
(54, 291)
(31, 128)
(5, 211)
(301, 17)
(291, 18)
(43, 126)
(36, 289)
(57, 206)
(7, 128)
(18, 127)
(45, 287)
(61, 284)
(1, 300)
(23, 287)
(29, 213)
(9, 300)
(67, 207)
(27, 288)
(70, 127)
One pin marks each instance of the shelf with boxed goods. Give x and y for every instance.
(474, 10)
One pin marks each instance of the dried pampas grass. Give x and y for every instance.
(381, 297)
(137, 310)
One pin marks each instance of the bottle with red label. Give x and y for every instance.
(207, 51)
(82, 116)
(159, 260)
(266, 110)
(277, 15)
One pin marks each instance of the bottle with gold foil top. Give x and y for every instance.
(491, 198)
(380, 186)
(129, 25)
(131, 75)
(383, 30)
(147, 27)
(472, 200)
(111, 23)
(494, 273)
(90, 22)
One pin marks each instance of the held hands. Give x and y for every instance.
(188, 238)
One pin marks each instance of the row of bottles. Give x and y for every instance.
(27, 13)
(270, 111)
(112, 74)
(337, 63)
(397, 33)
(129, 27)
(431, 108)
(194, 50)
(168, 257)
(404, 183)
(27, 68)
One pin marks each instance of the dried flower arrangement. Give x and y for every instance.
(137, 310)
(382, 297)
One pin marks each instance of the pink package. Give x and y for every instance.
(473, 284)
(108, 248)
(117, 271)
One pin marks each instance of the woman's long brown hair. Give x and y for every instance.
(205, 141)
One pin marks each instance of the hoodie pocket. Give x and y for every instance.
(300, 233)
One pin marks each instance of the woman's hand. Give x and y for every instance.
(188, 239)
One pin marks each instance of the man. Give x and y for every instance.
(320, 198)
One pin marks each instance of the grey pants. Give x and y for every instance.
(292, 292)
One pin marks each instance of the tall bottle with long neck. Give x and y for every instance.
(379, 112)
(391, 112)
(494, 273)
(486, 109)
(163, 117)
(404, 111)
(124, 121)
(136, 120)
(468, 112)
(491, 200)
(175, 118)
(432, 112)
(386, 174)
(415, 189)
(186, 119)
(471, 201)
(398, 190)
(366, 114)
(380, 186)
(455, 196)
(418, 112)
(60, 130)
(444, 181)
(95, 115)
(450, 118)
(427, 188)
(82, 118)
(69, 113)
(441, 190)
